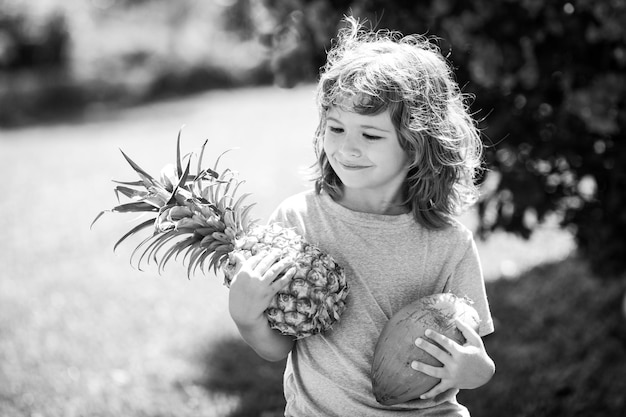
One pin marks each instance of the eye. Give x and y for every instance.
(334, 129)
(371, 137)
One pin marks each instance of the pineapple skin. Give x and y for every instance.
(316, 296)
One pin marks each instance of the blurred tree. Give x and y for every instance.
(31, 42)
(34, 57)
(549, 81)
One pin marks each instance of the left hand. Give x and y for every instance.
(255, 284)
(464, 367)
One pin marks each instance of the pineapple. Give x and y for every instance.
(200, 217)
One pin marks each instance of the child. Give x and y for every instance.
(397, 152)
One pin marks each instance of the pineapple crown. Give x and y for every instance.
(197, 215)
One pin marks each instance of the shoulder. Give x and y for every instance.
(455, 232)
(298, 203)
(459, 231)
(456, 238)
(296, 210)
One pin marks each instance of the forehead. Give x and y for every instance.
(347, 115)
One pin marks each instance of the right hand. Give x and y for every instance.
(255, 284)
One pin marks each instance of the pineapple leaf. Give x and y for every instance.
(215, 263)
(97, 217)
(240, 200)
(134, 230)
(215, 196)
(129, 192)
(237, 185)
(228, 183)
(151, 240)
(193, 261)
(181, 183)
(140, 246)
(245, 217)
(172, 234)
(208, 171)
(219, 256)
(187, 252)
(217, 161)
(179, 161)
(176, 249)
(222, 204)
(205, 255)
(199, 169)
(185, 175)
(135, 207)
(133, 183)
(143, 174)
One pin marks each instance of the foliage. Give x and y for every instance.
(29, 41)
(549, 81)
(60, 57)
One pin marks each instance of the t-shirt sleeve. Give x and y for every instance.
(289, 214)
(467, 280)
(278, 216)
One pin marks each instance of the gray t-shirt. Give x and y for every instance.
(389, 261)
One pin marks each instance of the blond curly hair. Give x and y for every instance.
(407, 75)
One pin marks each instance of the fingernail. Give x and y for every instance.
(418, 341)
(428, 333)
(414, 365)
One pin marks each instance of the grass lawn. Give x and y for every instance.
(84, 334)
(559, 345)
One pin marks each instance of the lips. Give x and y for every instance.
(351, 166)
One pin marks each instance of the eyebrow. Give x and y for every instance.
(332, 119)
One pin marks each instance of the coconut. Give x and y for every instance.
(393, 379)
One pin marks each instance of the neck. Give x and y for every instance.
(373, 204)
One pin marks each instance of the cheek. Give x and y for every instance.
(407, 160)
(328, 145)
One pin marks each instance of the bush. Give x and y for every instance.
(110, 53)
(549, 81)
(32, 41)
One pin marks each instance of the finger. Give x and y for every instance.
(434, 371)
(253, 261)
(469, 333)
(276, 269)
(238, 260)
(283, 281)
(436, 390)
(438, 353)
(445, 342)
(267, 261)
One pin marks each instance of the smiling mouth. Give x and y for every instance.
(351, 167)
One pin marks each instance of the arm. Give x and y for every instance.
(464, 367)
(267, 343)
(251, 291)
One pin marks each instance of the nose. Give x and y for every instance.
(350, 145)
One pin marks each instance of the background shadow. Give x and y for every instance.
(232, 367)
